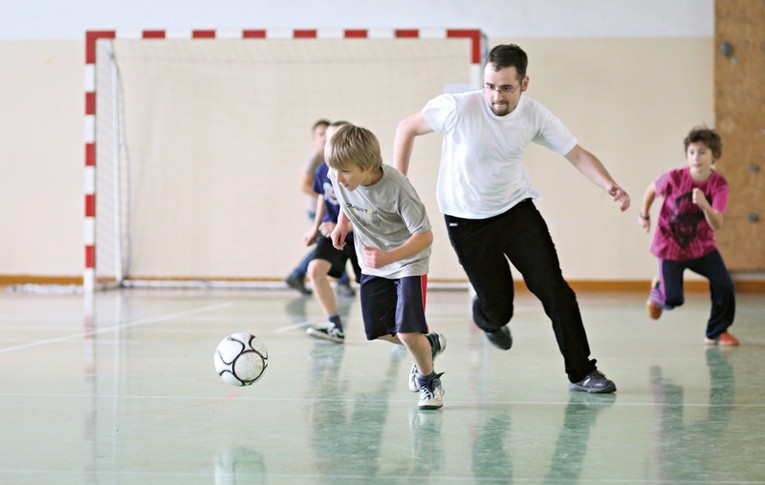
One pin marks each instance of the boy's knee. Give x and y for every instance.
(316, 269)
(670, 303)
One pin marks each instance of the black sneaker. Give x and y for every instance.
(501, 338)
(327, 331)
(594, 382)
(437, 345)
(296, 283)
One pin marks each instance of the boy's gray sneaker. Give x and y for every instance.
(327, 331)
(501, 338)
(432, 394)
(594, 382)
(437, 345)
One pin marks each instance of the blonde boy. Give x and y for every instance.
(392, 238)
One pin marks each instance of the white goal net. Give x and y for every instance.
(199, 145)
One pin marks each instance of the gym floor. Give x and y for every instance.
(121, 389)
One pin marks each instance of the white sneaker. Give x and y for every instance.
(432, 394)
(437, 345)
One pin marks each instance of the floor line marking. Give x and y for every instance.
(136, 323)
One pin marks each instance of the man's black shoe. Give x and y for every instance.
(501, 338)
(594, 382)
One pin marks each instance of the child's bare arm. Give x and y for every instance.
(644, 217)
(713, 217)
(376, 258)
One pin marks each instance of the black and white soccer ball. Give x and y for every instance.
(241, 359)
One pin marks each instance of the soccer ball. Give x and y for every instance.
(240, 359)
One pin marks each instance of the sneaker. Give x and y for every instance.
(344, 289)
(432, 394)
(327, 331)
(437, 345)
(501, 338)
(296, 283)
(594, 382)
(724, 339)
(653, 309)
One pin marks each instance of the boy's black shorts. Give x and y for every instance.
(336, 257)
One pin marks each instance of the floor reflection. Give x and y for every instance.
(570, 449)
(346, 442)
(427, 445)
(240, 465)
(491, 459)
(683, 450)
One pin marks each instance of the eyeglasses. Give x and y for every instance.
(504, 89)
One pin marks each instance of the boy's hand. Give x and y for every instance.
(326, 228)
(645, 223)
(698, 198)
(310, 237)
(374, 258)
(338, 236)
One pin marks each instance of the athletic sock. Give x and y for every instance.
(336, 320)
(425, 379)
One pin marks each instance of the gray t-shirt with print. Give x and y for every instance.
(384, 216)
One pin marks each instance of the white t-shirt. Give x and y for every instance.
(482, 173)
(384, 216)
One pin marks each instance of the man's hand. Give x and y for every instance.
(620, 196)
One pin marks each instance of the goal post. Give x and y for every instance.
(194, 141)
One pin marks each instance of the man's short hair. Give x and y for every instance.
(509, 55)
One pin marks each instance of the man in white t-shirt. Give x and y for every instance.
(486, 195)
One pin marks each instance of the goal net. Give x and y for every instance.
(199, 142)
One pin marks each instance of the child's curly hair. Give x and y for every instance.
(707, 136)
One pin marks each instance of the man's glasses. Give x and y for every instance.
(504, 89)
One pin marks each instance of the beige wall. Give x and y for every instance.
(41, 158)
(630, 101)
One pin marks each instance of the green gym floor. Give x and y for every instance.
(122, 390)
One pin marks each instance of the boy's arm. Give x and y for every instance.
(310, 236)
(306, 179)
(375, 258)
(713, 216)
(590, 167)
(341, 230)
(644, 218)
(403, 143)
(306, 185)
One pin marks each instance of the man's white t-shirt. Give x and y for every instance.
(482, 173)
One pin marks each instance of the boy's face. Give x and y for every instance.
(320, 138)
(700, 158)
(352, 177)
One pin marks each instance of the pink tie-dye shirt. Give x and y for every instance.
(682, 231)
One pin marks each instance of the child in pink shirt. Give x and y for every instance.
(695, 199)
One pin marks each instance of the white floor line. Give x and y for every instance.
(295, 326)
(136, 323)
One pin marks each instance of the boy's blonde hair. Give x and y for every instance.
(353, 146)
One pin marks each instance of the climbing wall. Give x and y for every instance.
(740, 114)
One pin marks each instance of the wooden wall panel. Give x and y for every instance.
(740, 113)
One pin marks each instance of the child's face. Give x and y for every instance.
(700, 158)
(352, 177)
(320, 138)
